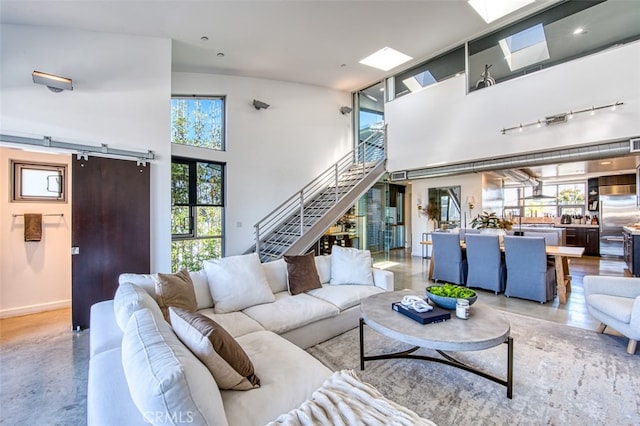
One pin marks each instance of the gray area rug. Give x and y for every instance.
(562, 376)
(44, 381)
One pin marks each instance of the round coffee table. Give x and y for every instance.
(485, 328)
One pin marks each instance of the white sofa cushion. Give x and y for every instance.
(351, 266)
(145, 281)
(216, 348)
(130, 298)
(236, 323)
(288, 376)
(323, 265)
(166, 381)
(276, 273)
(201, 288)
(237, 282)
(289, 312)
(345, 296)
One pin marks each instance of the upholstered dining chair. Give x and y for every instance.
(449, 264)
(484, 259)
(529, 276)
(550, 238)
(615, 302)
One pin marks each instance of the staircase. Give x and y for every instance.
(294, 226)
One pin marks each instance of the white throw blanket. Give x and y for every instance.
(344, 400)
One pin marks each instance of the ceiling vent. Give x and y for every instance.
(634, 145)
(399, 175)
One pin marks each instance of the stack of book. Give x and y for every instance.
(435, 315)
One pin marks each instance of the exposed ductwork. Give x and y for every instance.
(590, 152)
(521, 176)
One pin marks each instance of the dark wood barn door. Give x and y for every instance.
(110, 229)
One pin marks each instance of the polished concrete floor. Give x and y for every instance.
(410, 272)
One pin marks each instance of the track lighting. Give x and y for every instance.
(561, 118)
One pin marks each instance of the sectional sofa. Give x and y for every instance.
(141, 372)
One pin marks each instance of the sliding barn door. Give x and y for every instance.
(110, 229)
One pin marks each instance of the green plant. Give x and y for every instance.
(431, 211)
(451, 290)
(490, 220)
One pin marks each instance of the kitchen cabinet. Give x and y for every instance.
(631, 254)
(589, 238)
(327, 242)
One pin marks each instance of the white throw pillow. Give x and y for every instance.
(168, 384)
(237, 282)
(145, 281)
(351, 266)
(201, 288)
(323, 265)
(130, 298)
(276, 273)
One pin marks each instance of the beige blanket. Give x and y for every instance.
(344, 400)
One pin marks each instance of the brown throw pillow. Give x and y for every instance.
(175, 290)
(216, 349)
(303, 275)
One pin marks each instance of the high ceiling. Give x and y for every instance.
(311, 42)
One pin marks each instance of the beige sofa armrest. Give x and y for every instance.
(383, 279)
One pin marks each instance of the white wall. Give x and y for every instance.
(122, 87)
(470, 186)
(35, 275)
(441, 124)
(270, 153)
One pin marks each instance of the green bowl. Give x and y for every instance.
(449, 302)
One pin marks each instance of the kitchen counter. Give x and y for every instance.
(576, 225)
(633, 230)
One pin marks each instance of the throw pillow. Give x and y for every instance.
(219, 352)
(237, 282)
(351, 266)
(130, 298)
(175, 290)
(303, 275)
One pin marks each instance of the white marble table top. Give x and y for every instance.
(484, 329)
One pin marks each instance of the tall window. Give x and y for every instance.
(197, 212)
(198, 122)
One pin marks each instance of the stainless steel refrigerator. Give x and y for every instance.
(618, 208)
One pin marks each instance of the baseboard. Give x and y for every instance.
(34, 309)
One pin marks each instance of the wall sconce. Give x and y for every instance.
(561, 118)
(53, 82)
(419, 204)
(471, 201)
(345, 110)
(260, 105)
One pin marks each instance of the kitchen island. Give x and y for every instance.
(631, 245)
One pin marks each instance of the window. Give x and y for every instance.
(197, 212)
(556, 200)
(198, 122)
(38, 181)
(430, 72)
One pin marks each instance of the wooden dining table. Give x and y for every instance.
(561, 254)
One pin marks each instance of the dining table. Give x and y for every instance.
(561, 254)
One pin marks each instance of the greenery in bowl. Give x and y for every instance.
(447, 294)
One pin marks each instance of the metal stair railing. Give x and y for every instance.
(291, 219)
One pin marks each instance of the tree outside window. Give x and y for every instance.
(198, 122)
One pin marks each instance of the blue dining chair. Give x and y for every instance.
(449, 264)
(485, 267)
(529, 276)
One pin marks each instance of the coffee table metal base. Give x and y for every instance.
(448, 360)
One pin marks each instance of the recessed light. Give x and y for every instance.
(204, 38)
(220, 55)
(578, 30)
(385, 59)
(605, 163)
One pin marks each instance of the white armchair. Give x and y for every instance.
(615, 302)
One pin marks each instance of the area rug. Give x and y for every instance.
(562, 376)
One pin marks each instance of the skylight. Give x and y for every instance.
(419, 81)
(490, 10)
(525, 48)
(385, 59)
